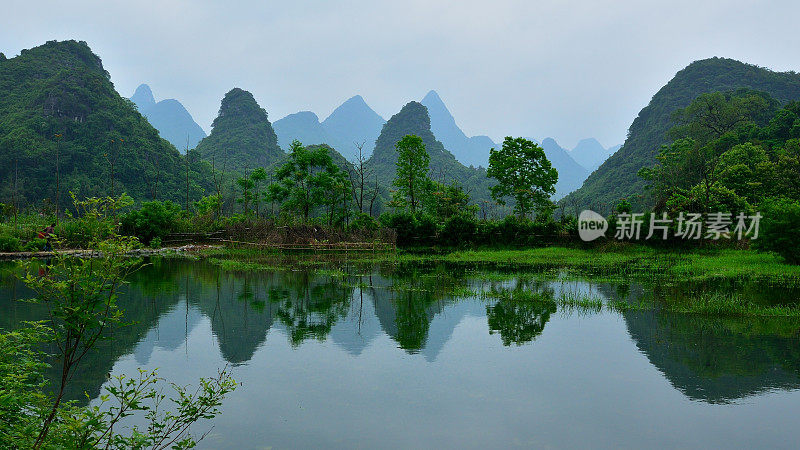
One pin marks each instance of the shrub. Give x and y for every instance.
(412, 230)
(82, 232)
(426, 230)
(10, 244)
(780, 229)
(155, 242)
(486, 232)
(459, 230)
(404, 225)
(153, 219)
(34, 245)
(512, 229)
(364, 222)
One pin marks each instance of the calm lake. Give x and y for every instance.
(410, 357)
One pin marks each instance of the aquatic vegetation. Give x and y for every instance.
(241, 266)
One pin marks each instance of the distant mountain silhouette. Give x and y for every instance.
(353, 122)
(414, 119)
(590, 154)
(570, 174)
(303, 126)
(242, 136)
(169, 117)
(143, 97)
(472, 151)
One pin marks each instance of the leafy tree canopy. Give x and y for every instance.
(523, 173)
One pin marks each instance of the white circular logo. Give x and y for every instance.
(591, 225)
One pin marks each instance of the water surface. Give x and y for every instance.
(402, 357)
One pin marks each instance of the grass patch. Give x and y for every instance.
(705, 303)
(625, 262)
(242, 266)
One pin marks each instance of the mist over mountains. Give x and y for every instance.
(590, 154)
(354, 122)
(470, 151)
(169, 117)
(351, 124)
(242, 136)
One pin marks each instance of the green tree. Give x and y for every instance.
(711, 116)
(246, 184)
(448, 200)
(81, 298)
(258, 175)
(707, 163)
(412, 178)
(747, 170)
(309, 179)
(524, 173)
(780, 229)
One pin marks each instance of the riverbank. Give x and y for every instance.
(628, 261)
(190, 249)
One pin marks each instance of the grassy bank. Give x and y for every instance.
(620, 264)
(619, 261)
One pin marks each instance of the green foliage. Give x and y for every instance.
(459, 230)
(733, 156)
(617, 178)
(523, 173)
(712, 115)
(208, 209)
(81, 299)
(93, 427)
(780, 229)
(241, 137)
(446, 201)
(153, 220)
(712, 152)
(246, 185)
(58, 99)
(414, 230)
(411, 179)
(34, 245)
(21, 383)
(309, 179)
(94, 220)
(10, 244)
(155, 242)
(364, 222)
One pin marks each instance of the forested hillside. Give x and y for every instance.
(617, 177)
(413, 119)
(242, 137)
(64, 128)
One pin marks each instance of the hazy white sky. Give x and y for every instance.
(566, 69)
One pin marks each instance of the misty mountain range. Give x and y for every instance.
(355, 123)
(170, 118)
